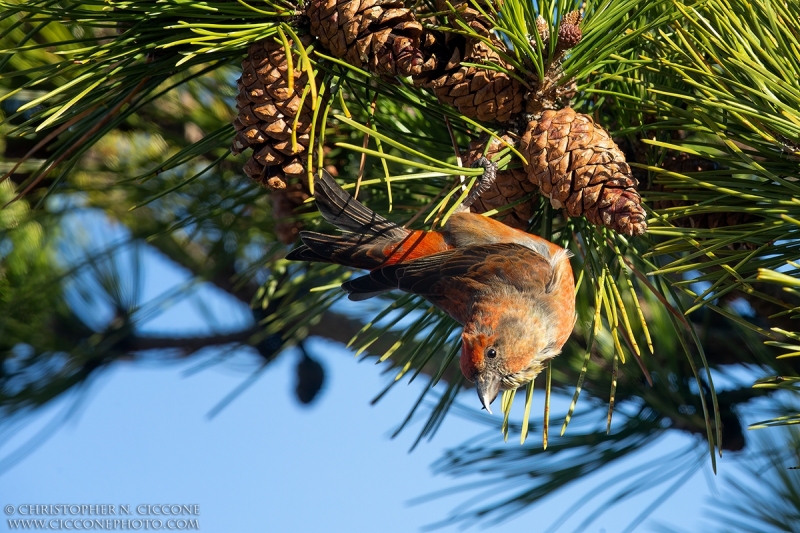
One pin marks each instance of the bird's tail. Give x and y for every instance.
(348, 214)
(370, 238)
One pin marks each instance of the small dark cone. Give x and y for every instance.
(382, 36)
(577, 165)
(310, 378)
(509, 186)
(569, 31)
(568, 36)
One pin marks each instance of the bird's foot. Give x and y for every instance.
(483, 184)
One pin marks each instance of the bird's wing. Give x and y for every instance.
(470, 229)
(448, 279)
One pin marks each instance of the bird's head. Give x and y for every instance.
(506, 349)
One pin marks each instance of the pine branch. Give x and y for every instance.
(189, 345)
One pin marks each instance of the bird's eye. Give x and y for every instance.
(491, 352)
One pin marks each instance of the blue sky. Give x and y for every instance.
(265, 463)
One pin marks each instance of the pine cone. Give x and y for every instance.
(267, 114)
(577, 165)
(568, 36)
(569, 31)
(484, 94)
(310, 378)
(480, 93)
(382, 36)
(509, 186)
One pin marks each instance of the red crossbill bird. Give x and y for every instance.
(513, 292)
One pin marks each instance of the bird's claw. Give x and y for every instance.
(484, 183)
(485, 162)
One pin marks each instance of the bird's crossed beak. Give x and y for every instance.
(488, 386)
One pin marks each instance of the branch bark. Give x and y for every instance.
(189, 345)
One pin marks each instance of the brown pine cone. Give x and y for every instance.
(484, 94)
(568, 36)
(267, 114)
(509, 186)
(480, 93)
(577, 165)
(382, 36)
